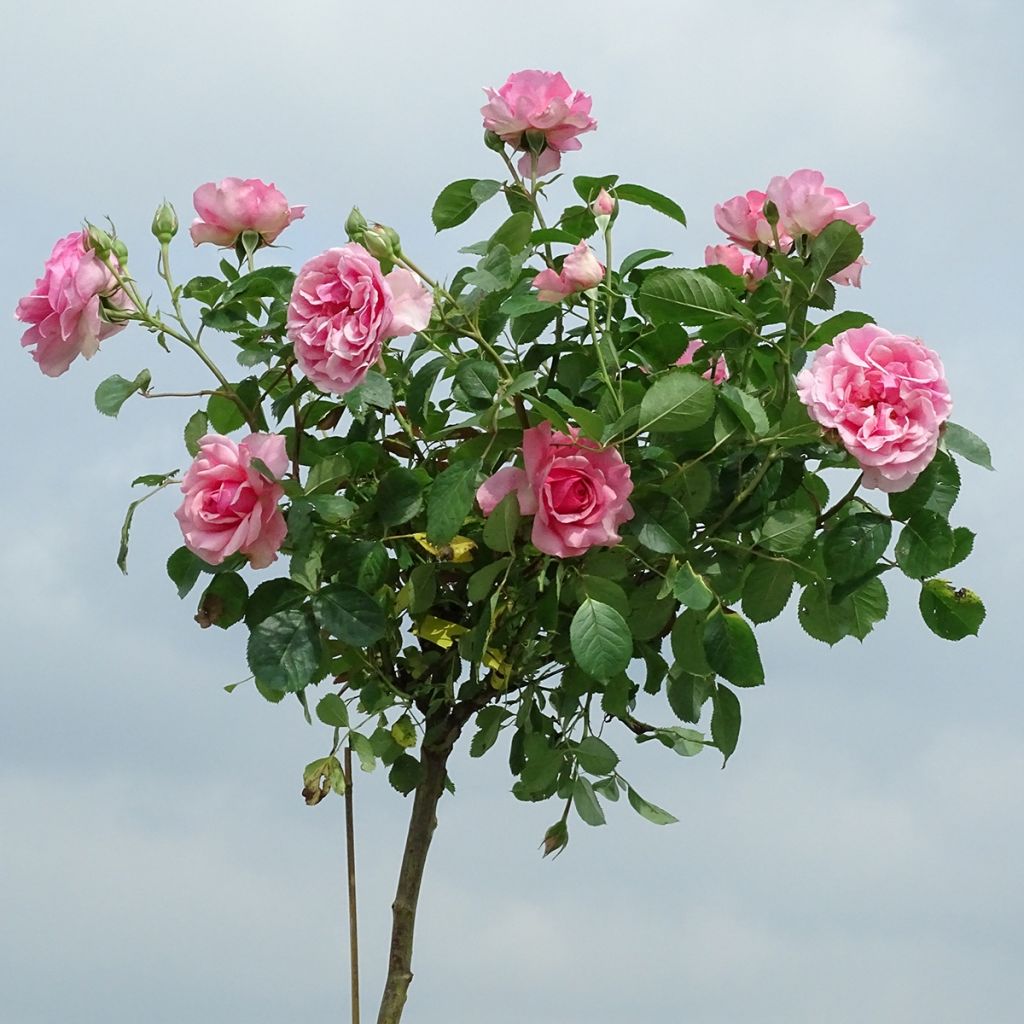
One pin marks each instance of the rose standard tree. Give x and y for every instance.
(529, 502)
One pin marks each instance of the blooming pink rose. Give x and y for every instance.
(538, 101)
(343, 310)
(886, 396)
(850, 275)
(742, 264)
(63, 310)
(721, 371)
(229, 506)
(603, 205)
(806, 204)
(575, 490)
(742, 219)
(234, 206)
(580, 270)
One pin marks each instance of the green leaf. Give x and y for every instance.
(595, 756)
(600, 640)
(460, 200)
(477, 379)
(949, 613)
(587, 188)
(641, 256)
(198, 426)
(648, 810)
(749, 411)
(451, 500)
(960, 440)
(925, 546)
(825, 621)
(655, 200)
(836, 247)
(606, 591)
(514, 234)
(725, 721)
(687, 692)
(489, 722)
(206, 290)
(662, 525)
(184, 569)
(482, 582)
(333, 508)
(273, 596)
(731, 649)
(963, 545)
(787, 532)
(767, 589)
(825, 332)
(677, 401)
(363, 749)
(375, 390)
(223, 602)
(590, 422)
(223, 414)
(686, 297)
(115, 391)
(399, 496)
(406, 773)
(264, 283)
(936, 489)
(854, 546)
(284, 650)
(868, 604)
(499, 532)
(691, 589)
(497, 270)
(585, 801)
(350, 615)
(332, 710)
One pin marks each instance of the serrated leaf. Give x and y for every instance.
(835, 248)
(585, 801)
(284, 650)
(949, 613)
(332, 710)
(350, 614)
(655, 200)
(731, 649)
(499, 532)
(198, 426)
(450, 500)
(960, 440)
(925, 546)
(936, 489)
(686, 297)
(601, 641)
(677, 401)
(853, 547)
(725, 721)
(595, 756)
(749, 411)
(641, 256)
(767, 589)
(787, 531)
(460, 200)
(691, 589)
(115, 391)
(647, 810)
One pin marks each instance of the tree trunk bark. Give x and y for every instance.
(422, 821)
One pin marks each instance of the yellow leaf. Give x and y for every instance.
(438, 631)
(458, 549)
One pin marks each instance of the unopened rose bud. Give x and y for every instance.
(120, 250)
(355, 225)
(556, 838)
(493, 141)
(165, 223)
(98, 241)
(382, 242)
(771, 213)
(603, 205)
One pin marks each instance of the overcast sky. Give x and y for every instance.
(860, 857)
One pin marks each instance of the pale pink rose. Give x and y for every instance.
(63, 310)
(850, 275)
(742, 219)
(343, 310)
(742, 264)
(580, 270)
(575, 490)
(720, 372)
(538, 101)
(603, 205)
(234, 206)
(886, 396)
(229, 507)
(806, 204)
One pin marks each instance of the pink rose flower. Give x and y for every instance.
(234, 206)
(742, 219)
(580, 270)
(575, 490)
(63, 310)
(742, 264)
(229, 507)
(886, 396)
(717, 375)
(543, 102)
(343, 310)
(850, 275)
(603, 205)
(806, 204)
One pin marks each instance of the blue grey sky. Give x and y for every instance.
(860, 857)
